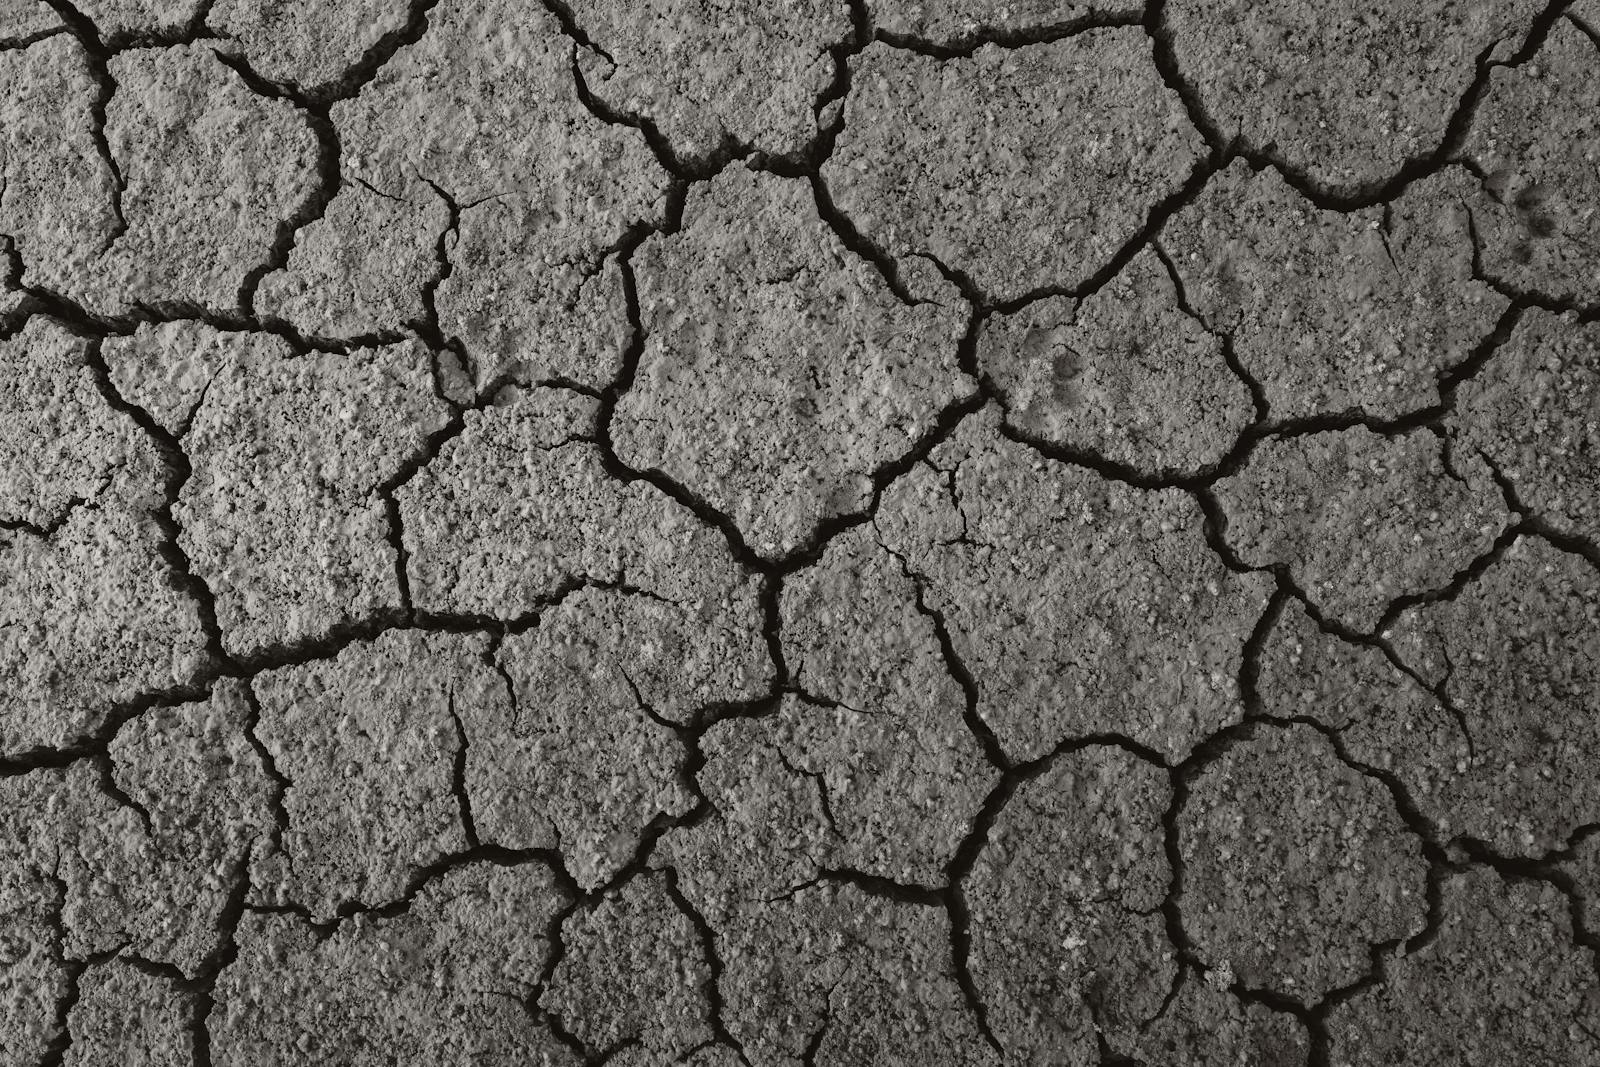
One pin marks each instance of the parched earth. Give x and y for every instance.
(925, 532)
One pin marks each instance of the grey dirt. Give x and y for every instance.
(799, 533)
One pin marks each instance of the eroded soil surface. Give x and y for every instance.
(922, 532)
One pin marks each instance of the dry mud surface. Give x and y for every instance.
(926, 532)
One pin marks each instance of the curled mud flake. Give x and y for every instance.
(928, 144)
(1531, 414)
(1361, 520)
(1532, 139)
(1517, 655)
(283, 516)
(1501, 982)
(1068, 939)
(1125, 375)
(446, 979)
(1347, 94)
(709, 73)
(1336, 312)
(1077, 604)
(1295, 866)
(779, 371)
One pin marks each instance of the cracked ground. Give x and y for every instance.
(925, 532)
